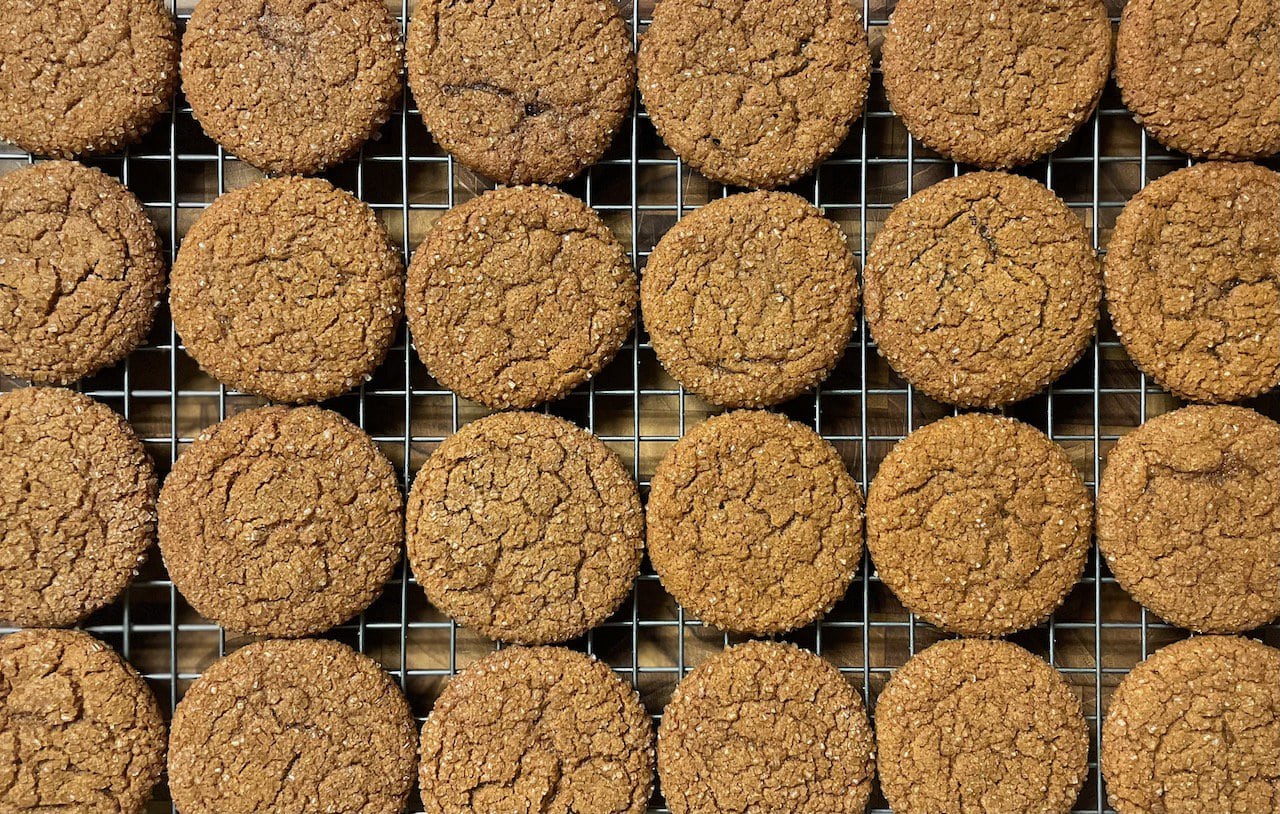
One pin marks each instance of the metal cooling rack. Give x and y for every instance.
(641, 189)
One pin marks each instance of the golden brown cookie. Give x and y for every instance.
(305, 727)
(766, 726)
(522, 91)
(289, 289)
(1193, 281)
(1203, 78)
(281, 521)
(525, 527)
(750, 300)
(77, 506)
(971, 727)
(993, 82)
(754, 93)
(754, 524)
(291, 86)
(1196, 728)
(518, 296)
(981, 290)
(84, 76)
(80, 272)
(1189, 517)
(980, 524)
(537, 729)
(82, 732)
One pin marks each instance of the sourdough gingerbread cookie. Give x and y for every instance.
(750, 300)
(525, 527)
(1189, 517)
(981, 290)
(1193, 281)
(522, 92)
(754, 524)
(755, 93)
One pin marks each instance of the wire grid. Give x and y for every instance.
(640, 189)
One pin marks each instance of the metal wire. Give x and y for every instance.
(641, 189)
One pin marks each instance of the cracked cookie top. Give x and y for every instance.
(1193, 281)
(996, 83)
(1196, 728)
(77, 506)
(305, 727)
(525, 527)
(80, 272)
(765, 726)
(973, 727)
(518, 296)
(754, 93)
(1189, 517)
(522, 92)
(291, 86)
(287, 288)
(981, 290)
(84, 76)
(80, 730)
(980, 524)
(1203, 77)
(754, 524)
(537, 729)
(281, 521)
(751, 299)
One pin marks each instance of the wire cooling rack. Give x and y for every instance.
(641, 189)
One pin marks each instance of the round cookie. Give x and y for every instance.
(1189, 517)
(1192, 276)
(79, 77)
(554, 730)
(288, 289)
(996, 83)
(1196, 728)
(81, 730)
(980, 524)
(766, 726)
(77, 506)
(291, 86)
(526, 528)
(518, 296)
(304, 726)
(981, 290)
(80, 272)
(754, 93)
(750, 300)
(976, 726)
(281, 521)
(522, 91)
(754, 524)
(1203, 80)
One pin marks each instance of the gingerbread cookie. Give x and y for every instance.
(526, 528)
(754, 93)
(1193, 281)
(1189, 517)
(281, 521)
(766, 726)
(518, 296)
(522, 91)
(980, 726)
(983, 289)
(754, 524)
(79, 77)
(304, 726)
(289, 289)
(77, 506)
(750, 300)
